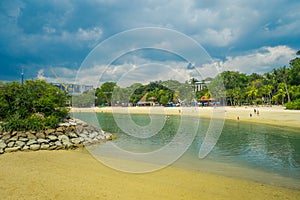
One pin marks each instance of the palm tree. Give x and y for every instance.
(252, 93)
(267, 90)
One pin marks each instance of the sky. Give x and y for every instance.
(67, 36)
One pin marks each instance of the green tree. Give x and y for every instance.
(280, 94)
(294, 72)
(252, 93)
(104, 93)
(34, 105)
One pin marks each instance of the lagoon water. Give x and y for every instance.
(257, 152)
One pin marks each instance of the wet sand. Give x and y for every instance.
(75, 174)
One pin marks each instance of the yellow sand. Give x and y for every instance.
(275, 115)
(77, 175)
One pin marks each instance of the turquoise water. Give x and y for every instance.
(263, 153)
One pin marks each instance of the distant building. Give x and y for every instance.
(73, 88)
(200, 85)
(144, 102)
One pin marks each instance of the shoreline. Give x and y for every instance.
(75, 174)
(275, 115)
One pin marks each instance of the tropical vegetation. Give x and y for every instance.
(32, 105)
(281, 86)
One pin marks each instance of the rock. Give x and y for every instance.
(59, 145)
(108, 136)
(23, 139)
(41, 135)
(10, 144)
(1, 151)
(22, 134)
(25, 148)
(31, 142)
(58, 133)
(20, 143)
(63, 138)
(2, 145)
(30, 136)
(60, 129)
(44, 146)
(88, 141)
(49, 131)
(14, 133)
(70, 129)
(83, 135)
(100, 137)
(67, 143)
(92, 135)
(14, 138)
(41, 140)
(73, 123)
(52, 147)
(12, 149)
(34, 147)
(63, 124)
(79, 128)
(6, 137)
(72, 135)
(52, 137)
(78, 145)
(76, 140)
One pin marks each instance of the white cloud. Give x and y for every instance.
(261, 60)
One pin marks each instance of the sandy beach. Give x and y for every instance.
(275, 115)
(75, 174)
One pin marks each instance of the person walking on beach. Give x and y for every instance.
(257, 112)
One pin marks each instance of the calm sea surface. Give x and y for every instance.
(262, 153)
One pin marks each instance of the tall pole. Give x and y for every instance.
(22, 76)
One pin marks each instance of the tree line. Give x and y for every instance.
(281, 86)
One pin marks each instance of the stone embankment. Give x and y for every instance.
(69, 135)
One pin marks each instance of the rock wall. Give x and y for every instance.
(69, 135)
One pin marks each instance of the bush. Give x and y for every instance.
(295, 105)
(35, 105)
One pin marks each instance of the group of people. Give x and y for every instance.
(255, 112)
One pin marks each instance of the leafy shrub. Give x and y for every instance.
(35, 105)
(295, 105)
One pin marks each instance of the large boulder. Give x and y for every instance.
(10, 144)
(30, 135)
(41, 140)
(20, 143)
(34, 147)
(44, 146)
(12, 149)
(6, 136)
(49, 131)
(30, 142)
(41, 134)
(23, 139)
(2, 145)
(52, 137)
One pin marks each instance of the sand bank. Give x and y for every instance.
(275, 115)
(77, 175)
